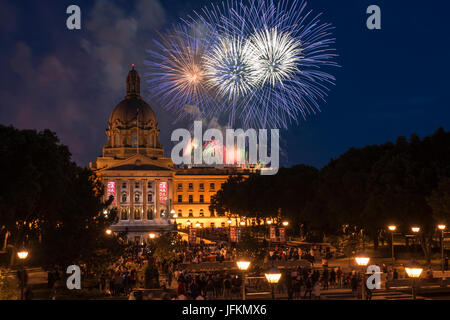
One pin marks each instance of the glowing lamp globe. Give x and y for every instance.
(415, 229)
(413, 272)
(243, 264)
(269, 222)
(285, 223)
(392, 228)
(108, 232)
(152, 235)
(442, 227)
(229, 221)
(362, 260)
(22, 254)
(273, 275)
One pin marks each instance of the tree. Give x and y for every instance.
(49, 204)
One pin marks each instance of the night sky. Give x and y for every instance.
(391, 82)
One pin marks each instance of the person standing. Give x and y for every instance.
(316, 291)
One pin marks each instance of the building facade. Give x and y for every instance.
(150, 193)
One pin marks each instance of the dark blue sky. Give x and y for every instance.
(392, 81)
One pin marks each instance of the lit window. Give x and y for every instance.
(124, 214)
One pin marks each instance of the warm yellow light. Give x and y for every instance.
(108, 232)
(442, 226)
(242, 223)
(152, 235)
(414, 272)
(269, 221)
(285, 223)
(22, 254)
(273, 276)
(392, 228)
(188, 223)
(229, 221)
(362, 260)
(198, 224)
(172, 211)
(175, 216)
(243, 264)
(415, 229)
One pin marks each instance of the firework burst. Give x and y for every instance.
(261, 63)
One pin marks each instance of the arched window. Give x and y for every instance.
(124, 214)
(137, 214)
(137, 197)
(150, 213)
(180, 213)
(202, 214)
(190, 213)
(150, 198)
(134, 141)
(124, 197)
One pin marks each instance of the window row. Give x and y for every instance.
(137, 197)
(201, 187)
(201, 198)
(137, 185)
(190, 213)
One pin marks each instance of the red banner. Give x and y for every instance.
(282, 232)
(111, 190)
(233, 234)
(192, 236)
(273, 233)
(163, 192)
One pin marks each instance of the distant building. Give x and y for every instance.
(149, 191)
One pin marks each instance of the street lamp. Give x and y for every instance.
(269, 222)
(152, 235)
(242, 223)
(392, 228)
(285, 223)
(188, 223)
(414, 273)
(273, 276)
(243, 265)
(415, 229)
(362, 260)
(108, 232)
(22, 254)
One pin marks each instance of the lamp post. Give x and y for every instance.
(392, 228)
(22, 254)
(229, 233)
(273, 276)
(243, 264)
(414, 273)
(362, 260)
(416, 230)
(108, 232)
(442, 227)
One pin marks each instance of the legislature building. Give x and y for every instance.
(150, 193)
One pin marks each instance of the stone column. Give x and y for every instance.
(131, 183)
(144, 200)
(158, 212)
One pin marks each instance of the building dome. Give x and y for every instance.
(132, 126)
(132, 109)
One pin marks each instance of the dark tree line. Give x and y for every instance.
(404, 183)
(50, 205)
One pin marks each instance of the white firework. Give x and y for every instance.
(277, 55)
(230, 67)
